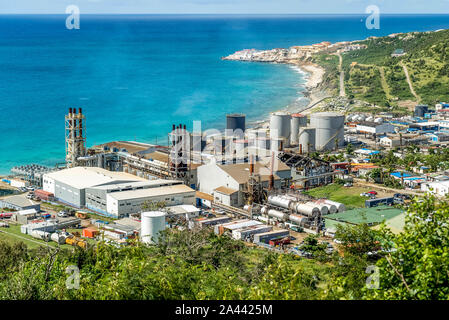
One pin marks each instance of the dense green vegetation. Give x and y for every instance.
(426, 60)
(350, 197)
(200, 265)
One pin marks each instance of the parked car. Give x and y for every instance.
(347, 184)
(373, 192)
(62, 214)
(365, 194)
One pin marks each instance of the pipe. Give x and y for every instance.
(251, 165)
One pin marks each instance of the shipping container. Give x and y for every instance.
(44, 195)
(267, 236)
(90, 232)
(375, 202)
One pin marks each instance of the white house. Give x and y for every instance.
(439, 188)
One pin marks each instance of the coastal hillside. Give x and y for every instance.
(396, 71)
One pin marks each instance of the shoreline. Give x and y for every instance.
(313, 74)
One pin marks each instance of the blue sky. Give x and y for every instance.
(225, 6)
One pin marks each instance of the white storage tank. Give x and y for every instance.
(277, 144)
(152, 223)
(340, 206)
(240, 146)
(307, 209)
(378, 120)
(277, 214)
(280, 125)
(279, 201)
(297, 219)
(306, 139)
(329, 129)
(323, 209)
(263, 143)
(297, 121)
(58, 238)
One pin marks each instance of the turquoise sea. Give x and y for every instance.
(135, 75)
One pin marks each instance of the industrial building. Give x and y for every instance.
(19, 203)
(374, 128)
(120, 204)
(228, 182)
(115, 194)
(69, 185)
(96, 197)
(307, 172)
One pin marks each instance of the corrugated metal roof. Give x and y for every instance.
(151, 192)
(19, 201)
(85, 177)
(225, 190)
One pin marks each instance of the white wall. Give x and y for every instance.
(19, 183)
(210, 177)
(48, 184)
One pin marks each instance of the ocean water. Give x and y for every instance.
(136, 75)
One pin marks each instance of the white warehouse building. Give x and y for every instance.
(120, 204)
(115, 194)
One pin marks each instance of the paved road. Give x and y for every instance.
(41, 243)
(409, 81)
(342, 76)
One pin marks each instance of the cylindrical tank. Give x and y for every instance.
(277, 214)
(279, 201)
(370, 118)
(297, 219)
(263, 143)
(58, 238)
(152, 223)
(277, 144)
(378, 120)
(349, 118)
(340, 206)
(298, 120)
(307, 210)
(240, 145)
(329, 130)
(280, 125)
(235, 121)
(38, 234)
(306, 140)
(324, 209)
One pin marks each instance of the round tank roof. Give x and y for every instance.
(326, 114)
(153, 214)
(235, 115)
(298, 115)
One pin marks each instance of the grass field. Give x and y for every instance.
(350, 197)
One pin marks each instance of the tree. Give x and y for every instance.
(416, 263)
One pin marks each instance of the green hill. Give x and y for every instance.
(374, 75)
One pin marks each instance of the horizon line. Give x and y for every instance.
(227, 14)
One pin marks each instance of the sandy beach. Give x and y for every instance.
(313, 94)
